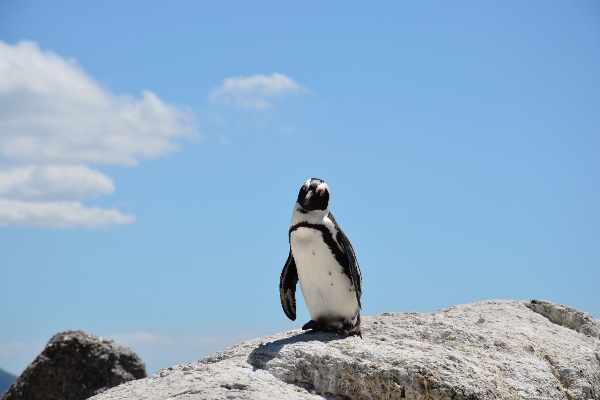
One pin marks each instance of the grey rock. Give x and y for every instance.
(486, 350)
(74, 366)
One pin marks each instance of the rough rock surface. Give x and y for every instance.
(567, 316)
(74, 366)
(488, 350)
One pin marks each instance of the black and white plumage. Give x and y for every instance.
(323, 260)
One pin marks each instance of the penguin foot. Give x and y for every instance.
(314, 325)
(345, 331)
(349, 330)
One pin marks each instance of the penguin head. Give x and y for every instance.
(314, 195)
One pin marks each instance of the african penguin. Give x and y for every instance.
(323, 260)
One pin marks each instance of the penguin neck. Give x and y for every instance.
(312, 217)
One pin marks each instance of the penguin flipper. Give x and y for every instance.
(287, 287)
(353, 264)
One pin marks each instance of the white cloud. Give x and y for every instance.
(53, 112)
(53, 182)
(58, 214)
(55, 119)
(255, 92)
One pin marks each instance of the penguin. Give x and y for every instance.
(323, 260)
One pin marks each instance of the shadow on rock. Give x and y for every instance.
(268, 351)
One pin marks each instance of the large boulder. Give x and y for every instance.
(488, 350)
(74, 366)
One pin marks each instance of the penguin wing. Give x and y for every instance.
(355, 274)
(287, 287)
(354, 268)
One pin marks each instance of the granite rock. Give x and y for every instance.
(74, 366)
(506, 349)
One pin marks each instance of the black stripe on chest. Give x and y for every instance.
(340, 256)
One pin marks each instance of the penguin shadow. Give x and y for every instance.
(264, 353)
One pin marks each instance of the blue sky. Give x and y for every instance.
(151, 154)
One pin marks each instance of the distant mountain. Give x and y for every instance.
(6, 380)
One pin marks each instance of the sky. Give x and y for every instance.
(151, 153)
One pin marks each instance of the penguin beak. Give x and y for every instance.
(308, 196)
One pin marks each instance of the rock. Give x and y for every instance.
(74, 366)
(486, 350)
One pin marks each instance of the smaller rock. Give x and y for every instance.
(74, 366)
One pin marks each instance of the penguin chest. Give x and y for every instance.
(328, 292)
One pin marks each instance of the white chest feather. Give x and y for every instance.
(328, 292)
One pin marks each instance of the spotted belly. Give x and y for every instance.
(329, 294)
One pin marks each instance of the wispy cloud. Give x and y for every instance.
(159, 352)
(15, 356)
(150, 339)
(56, 119)
(256, 92)
(224, 140)
(12, 348)
(145, 338)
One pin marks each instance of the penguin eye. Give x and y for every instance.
(321, 192)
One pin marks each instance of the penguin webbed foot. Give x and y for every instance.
(314, 326)
(345, 331)
(349, 330)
